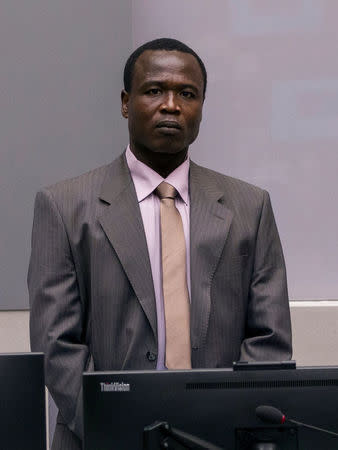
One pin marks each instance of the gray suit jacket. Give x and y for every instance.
(91, 290)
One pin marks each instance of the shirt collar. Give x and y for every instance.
(146, 179)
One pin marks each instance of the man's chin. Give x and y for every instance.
(169, 150)
(164, 147)
(169, 147)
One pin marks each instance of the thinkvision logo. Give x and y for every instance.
(115, 387)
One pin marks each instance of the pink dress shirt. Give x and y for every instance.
(146, 181)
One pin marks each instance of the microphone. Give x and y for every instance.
(269, 414)
(272, 415)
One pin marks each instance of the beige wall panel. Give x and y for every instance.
(14, 331)
(314, 325)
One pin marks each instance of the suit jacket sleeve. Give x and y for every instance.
(268, 330)
(57, 313)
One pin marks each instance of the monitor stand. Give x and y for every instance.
(265, 446)
(162, 435)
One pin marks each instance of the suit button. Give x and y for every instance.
(151, 356)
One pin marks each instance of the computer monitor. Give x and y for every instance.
(22, 402)
(216, 405)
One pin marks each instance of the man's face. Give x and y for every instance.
(164, 105)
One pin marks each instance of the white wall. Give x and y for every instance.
(60, 81)
(271, 113)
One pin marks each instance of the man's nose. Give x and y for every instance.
(170, 103)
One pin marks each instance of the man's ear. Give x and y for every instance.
(124, 103)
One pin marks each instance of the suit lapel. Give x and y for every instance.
(122, 223)
(210, 222)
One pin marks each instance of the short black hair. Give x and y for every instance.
(159, 44)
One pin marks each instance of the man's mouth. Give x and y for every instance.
(169, 124)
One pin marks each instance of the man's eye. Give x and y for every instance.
(153, 91)
(187, 94)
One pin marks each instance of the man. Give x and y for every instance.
(98, 285)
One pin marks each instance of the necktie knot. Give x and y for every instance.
(165, 190)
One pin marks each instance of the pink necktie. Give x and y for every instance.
(175, 290)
